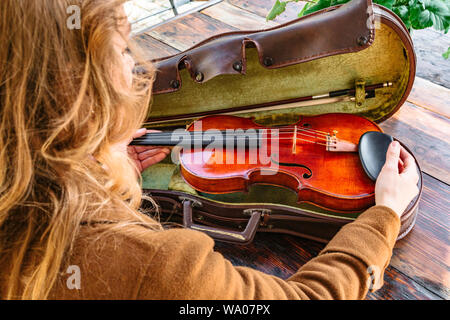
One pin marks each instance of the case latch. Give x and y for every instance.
(249, 212)
(193, 202)
(265, 214)
(360, 92)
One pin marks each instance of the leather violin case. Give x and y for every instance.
(251, 74)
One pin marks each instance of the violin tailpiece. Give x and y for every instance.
(337, 145)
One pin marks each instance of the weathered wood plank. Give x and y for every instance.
(427, 134)
(400, 287)
(263, 7)
(424, 254)
(189, 30)
(429, 45)
(237, 17)
(153, 48)
(430, 96)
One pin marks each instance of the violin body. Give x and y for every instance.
(332, 180)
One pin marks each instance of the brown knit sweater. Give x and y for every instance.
(181, 264)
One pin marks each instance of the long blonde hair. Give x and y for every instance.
(59, 109)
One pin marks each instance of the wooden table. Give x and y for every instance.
(419, 267)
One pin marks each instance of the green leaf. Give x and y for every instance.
(400, 3)
(416, 14)
(336, 2)
(403, 12)
(306, 7)
(278, 8)
(446, 55)
(385, 3)
(430, 13)
(424, 19)
(321, 4)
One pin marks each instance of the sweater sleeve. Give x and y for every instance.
(186, 266)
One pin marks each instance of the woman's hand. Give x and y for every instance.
(146, 156)
(396, 185)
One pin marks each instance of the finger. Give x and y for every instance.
(139, 133)
(139, 165)
(410, 169)
(153, 160)
(167, 151)
(152, 152)
(412, 174)
(408, 161)
(131, 150)
(147, 154)
(162, 149)
(400, 165)
(133, 156)
(140, 149)
(392, 156)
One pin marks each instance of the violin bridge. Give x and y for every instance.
(294, 141)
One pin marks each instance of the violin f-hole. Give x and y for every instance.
(306, 175)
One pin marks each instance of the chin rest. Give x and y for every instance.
(372, 150)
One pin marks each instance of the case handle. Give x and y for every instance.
(243, 237)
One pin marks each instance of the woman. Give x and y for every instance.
(69, 195)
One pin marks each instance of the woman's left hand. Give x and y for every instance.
(146, 156)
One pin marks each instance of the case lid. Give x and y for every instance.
(322, 53)
(346, 29)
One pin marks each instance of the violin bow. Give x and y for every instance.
(327, 98)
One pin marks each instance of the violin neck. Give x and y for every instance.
(160, 139)
(189, 139)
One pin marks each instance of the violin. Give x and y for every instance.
(317, 157)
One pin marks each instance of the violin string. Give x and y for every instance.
(305, 140)
(194, 133)
(292, 129)
(197, 139)
(280, 129)
(165, 138)
(194, 140)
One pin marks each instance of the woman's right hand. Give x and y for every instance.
(396, 185)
